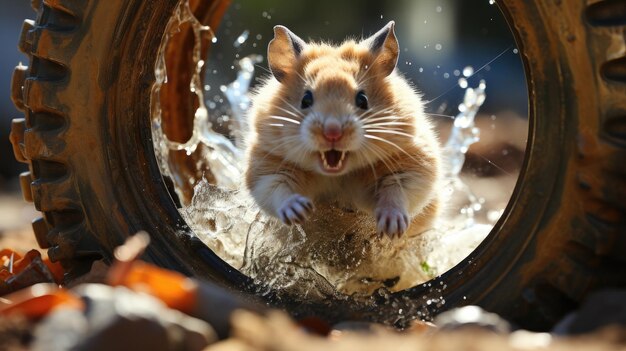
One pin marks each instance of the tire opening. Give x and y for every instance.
(453, 53)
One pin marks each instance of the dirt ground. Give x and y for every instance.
(16, 216)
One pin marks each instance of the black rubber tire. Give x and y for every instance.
(87, 139)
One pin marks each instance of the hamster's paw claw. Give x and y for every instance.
(391, 221)
(295, 209)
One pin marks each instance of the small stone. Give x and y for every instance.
(472, 317)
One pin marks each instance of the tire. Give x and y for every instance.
(94, 176)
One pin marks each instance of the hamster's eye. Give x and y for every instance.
(361, 100)
(307, 99)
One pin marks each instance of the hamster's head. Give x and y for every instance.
(332, 110)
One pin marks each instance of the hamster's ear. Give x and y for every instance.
(385, 46)
(283, 52)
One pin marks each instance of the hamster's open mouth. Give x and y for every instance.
(333, 160)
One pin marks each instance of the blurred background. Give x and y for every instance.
(11, 18)
(15, 213)
(438, 38)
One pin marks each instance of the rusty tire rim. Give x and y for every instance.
(94, 176)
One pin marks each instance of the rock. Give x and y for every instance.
(600, 309)
(471, 317)
(116, 318)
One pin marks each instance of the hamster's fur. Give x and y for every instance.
(339, 124)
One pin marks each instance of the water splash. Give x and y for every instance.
(463, 134)
(237, 94)
(223, 157)
(321, 258)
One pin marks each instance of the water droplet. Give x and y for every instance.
(468, 71)
(421, 69)
(515, 51)
(439, 9)
(446, 75)
(241, 38)
(491, 2)
(438, 47)
(463, 83)
(214, 40)
(381, 16)
(456, 73)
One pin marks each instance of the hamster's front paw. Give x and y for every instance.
(295, 209)
(391, 221)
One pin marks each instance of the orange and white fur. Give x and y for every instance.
(339, 124)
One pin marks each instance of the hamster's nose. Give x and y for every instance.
(332, 130)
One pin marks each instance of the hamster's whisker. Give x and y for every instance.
(374, 113)
(362, 75)
(440, 115)
(306, 82)
(495, 165)
(263, 68)
(284, 142)
(383, 155)
(383, 124)
(369, 136)
(389, 131)
(384, 159)
(293, 164)
(373, 148)
(290, 112)
(286, 119)
(368, 161)
(360, 81)
(381, 118)
(296, 110)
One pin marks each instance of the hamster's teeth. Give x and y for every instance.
(324, 160)
(339, 164)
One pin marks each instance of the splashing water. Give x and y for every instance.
(463, 134)
(321, 258)
(225, 158)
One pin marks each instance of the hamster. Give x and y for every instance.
(339, 124)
